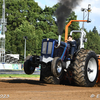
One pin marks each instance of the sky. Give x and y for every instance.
(94, 15)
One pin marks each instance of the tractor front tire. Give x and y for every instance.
(85, 68)
(28, 68)
(57, 68)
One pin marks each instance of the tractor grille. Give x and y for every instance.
(47, 47)
(44, 49)
(50, 47)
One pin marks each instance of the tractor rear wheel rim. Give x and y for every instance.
(92, 69)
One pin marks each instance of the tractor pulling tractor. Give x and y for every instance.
(58, 65)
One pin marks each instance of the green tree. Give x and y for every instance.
(95, 30)
(25, 29)
(93, 42)
(46, 21)
(22, 16)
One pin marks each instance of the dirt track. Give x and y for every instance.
(25, 89)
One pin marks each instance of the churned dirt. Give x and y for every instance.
(32, 89)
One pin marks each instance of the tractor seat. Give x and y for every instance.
(74, 46)
(78, 43)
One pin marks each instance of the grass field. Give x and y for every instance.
(18, 76)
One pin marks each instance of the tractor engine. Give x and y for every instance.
(49, 50)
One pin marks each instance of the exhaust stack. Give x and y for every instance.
(59, 41)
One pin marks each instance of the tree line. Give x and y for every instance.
(27, 18)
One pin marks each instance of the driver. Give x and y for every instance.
(72, 45)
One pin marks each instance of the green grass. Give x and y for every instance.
(18, 76)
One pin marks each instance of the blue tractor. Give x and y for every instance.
(57, 65)
(65, 61)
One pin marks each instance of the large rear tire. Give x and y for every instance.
(46, 75)
(28, 67)
(85, 69)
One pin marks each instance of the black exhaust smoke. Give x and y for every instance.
(63, 11)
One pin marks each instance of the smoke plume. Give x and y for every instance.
(63, 11)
